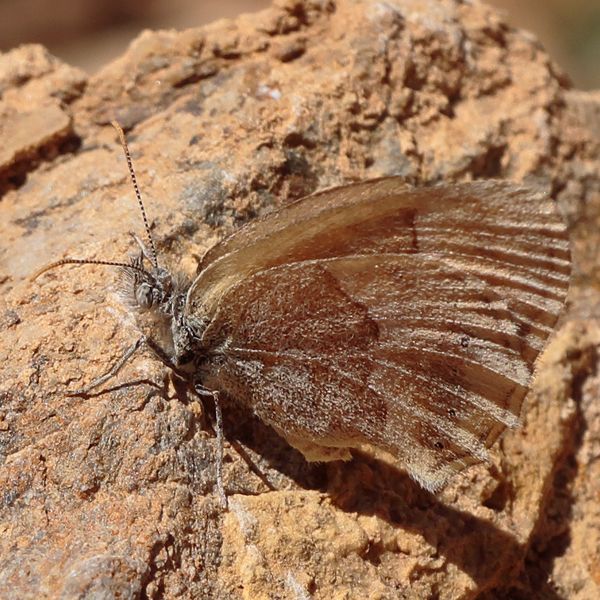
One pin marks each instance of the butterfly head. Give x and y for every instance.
(144, 288)
(152, 289)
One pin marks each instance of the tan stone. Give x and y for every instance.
(114, 494)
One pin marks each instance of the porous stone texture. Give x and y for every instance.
(113, 495)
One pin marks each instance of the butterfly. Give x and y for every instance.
(373, 314)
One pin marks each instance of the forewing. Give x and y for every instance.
(309, 210)
(503, 222)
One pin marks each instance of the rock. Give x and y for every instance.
(113, 495)
(35, 123)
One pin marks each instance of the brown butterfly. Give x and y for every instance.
(370, 314)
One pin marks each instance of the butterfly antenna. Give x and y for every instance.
(84, 261)
(153, 258)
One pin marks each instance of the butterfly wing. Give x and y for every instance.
(303, 212)
(410, 321)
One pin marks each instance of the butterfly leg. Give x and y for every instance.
(203, 391)
(200, 390)
(114, 370)
(164, 358)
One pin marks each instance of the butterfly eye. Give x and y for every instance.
(144, 296)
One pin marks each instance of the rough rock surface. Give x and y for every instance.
(113, 496)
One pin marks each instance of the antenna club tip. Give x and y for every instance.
(41, 271)
(120, 131)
